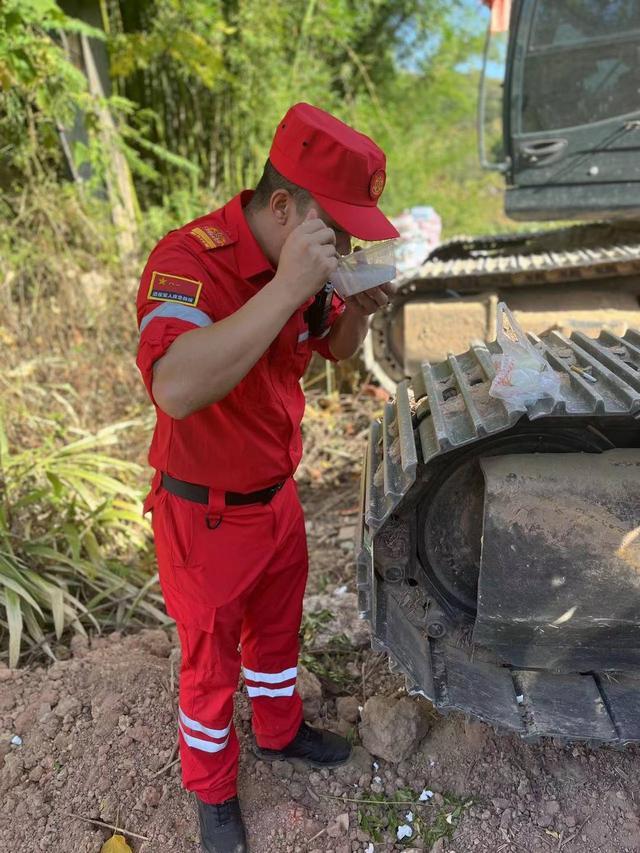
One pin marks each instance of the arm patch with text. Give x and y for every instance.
(166, 287)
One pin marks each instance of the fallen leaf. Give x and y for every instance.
(116, 844)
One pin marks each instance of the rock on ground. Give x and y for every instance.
(393, 727)
(348, 708)
(310, 690)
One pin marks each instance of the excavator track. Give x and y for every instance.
(434, 631)
(472, 273)
(601, 256)
(566, 238)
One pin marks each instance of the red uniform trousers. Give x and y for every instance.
(233, 578)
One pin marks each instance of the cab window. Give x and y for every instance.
(582, 64)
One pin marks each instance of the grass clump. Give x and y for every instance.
(73, 542)
(381, 815)
(330, 663)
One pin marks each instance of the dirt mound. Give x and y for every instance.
(98, 741)
(95, 737)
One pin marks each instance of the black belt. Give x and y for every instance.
(200, 494)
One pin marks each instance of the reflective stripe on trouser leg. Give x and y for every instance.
(270, 633)
(208, 679)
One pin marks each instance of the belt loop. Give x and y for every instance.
(215, 508)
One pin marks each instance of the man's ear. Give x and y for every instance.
(281, 204)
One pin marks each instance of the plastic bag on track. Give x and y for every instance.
(523, 376)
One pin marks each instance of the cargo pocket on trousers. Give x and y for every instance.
(181, 576)
(181, 523)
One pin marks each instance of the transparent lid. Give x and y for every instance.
(366, 268)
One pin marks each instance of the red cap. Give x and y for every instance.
(341, 168)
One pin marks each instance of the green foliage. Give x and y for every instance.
(71, 539)
(330, 663)
(189, 34)
(50, 233)
(311, 624)
(39, 88)
(200, 85)
(217, 95)
(381, 815)
(429, 136)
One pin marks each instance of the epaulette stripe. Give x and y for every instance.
(204, 238)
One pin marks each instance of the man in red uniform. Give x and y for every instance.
(230, 310)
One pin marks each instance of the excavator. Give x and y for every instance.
(498, 550)
(571, 143)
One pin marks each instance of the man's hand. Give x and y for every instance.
(308, 258)
(350, 328)
(368, 301)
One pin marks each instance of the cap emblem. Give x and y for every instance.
(376, 184)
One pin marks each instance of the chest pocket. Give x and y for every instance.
(289, 355)
(302, 349)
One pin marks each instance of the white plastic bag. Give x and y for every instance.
(420, 231)
(523, 376)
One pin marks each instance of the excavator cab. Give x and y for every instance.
(572, 110)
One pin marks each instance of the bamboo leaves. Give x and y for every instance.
(14, 622)
(71, 540)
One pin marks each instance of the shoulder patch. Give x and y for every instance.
(166, 287)
(210, 236)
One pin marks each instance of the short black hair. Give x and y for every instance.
(271, 181)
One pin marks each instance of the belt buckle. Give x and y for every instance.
(270, 494)
(272, 491)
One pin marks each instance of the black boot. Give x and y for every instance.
(221, 827)
(314, 747)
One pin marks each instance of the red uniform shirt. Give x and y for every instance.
(196, 276)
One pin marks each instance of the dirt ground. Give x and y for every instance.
(98, 740)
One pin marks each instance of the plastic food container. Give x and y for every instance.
(365, 269)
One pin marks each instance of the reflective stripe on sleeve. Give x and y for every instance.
(180, 312)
